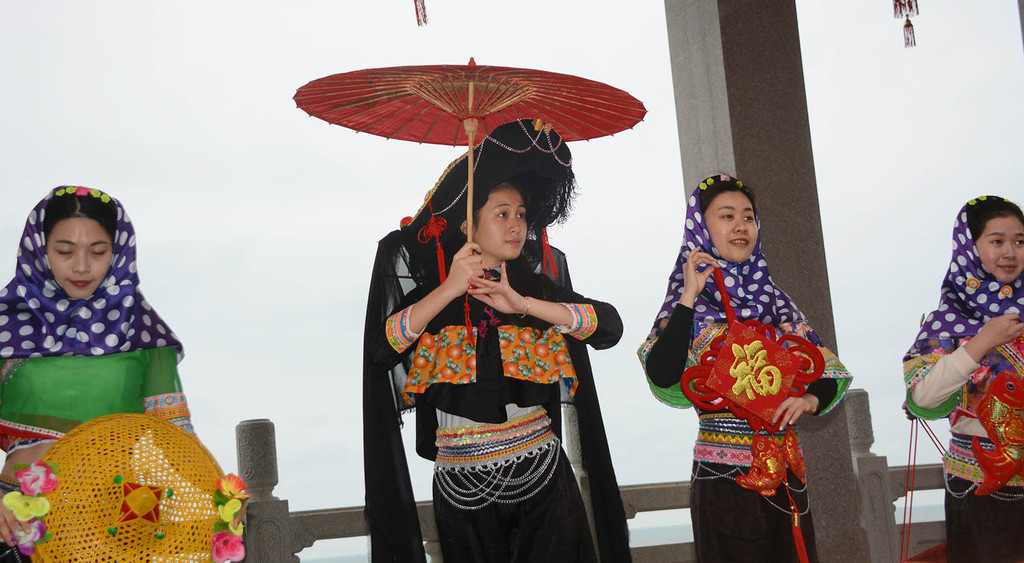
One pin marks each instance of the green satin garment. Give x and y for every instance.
(59, 393)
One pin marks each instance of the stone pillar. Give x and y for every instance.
(741, 109)
(1020, 4)
(267, 522)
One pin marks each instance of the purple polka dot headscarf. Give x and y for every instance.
(37, 318)
(970, 294)
(752, 292)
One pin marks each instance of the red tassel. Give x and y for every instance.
(469, 323)
(548, 257)
(421, 12)
(908, 35)
(798, 533)
(432, 230)
(440, 260)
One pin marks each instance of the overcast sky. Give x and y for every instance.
(257, 225)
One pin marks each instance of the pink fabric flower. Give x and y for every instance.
(227, 547)
(27, 541)
(36, 479)
(81, 190)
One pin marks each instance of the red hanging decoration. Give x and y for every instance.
(469, 323)
(904, 8)
(421, 12)
(548, 257)
(432, 230)
(908, 34)
(798, 533)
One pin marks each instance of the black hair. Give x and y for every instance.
(69, 205)
(516, 184)
(711, 187)
(983, 209)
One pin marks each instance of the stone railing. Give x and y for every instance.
(276, 535)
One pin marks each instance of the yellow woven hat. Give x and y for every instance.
(131, 488)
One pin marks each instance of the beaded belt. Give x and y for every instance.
(494, 444)
(504, 463)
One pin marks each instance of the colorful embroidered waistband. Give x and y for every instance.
(959, 460)
(492, 444)
(723, 438)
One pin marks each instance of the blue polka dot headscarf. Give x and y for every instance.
(752, 292)
(37, 318)
(970, 294)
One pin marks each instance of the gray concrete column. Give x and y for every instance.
(741, 109)
(878, 513)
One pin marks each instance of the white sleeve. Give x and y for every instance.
(946, 377)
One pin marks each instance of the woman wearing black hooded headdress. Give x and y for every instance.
(484, 344)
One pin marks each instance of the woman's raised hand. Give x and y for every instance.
(693, 281)
(466, 265)
(996, 332)
(498, 295)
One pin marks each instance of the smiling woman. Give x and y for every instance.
(745, 504)
(966, 364)
(77, 338)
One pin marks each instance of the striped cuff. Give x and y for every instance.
(170, 407)
(584, 321)
(400, 336)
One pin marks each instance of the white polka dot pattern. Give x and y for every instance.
(54, 324)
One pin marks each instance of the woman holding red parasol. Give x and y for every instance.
(484, 345)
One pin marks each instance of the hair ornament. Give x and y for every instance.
(82, 191)
(703, 185)
(739, 184)
(540, 125)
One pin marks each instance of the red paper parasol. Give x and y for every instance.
(450, 104)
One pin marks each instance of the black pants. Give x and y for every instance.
(983, 529)
(550, 526)
(736, 525)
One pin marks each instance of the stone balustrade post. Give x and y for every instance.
(878, 514)
(574, 451)
(267, 520)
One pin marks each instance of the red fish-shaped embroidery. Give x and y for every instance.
(1002, 414)
(767, 470)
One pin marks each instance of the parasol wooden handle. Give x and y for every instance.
(470, 125)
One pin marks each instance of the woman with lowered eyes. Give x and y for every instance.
(77, 338)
